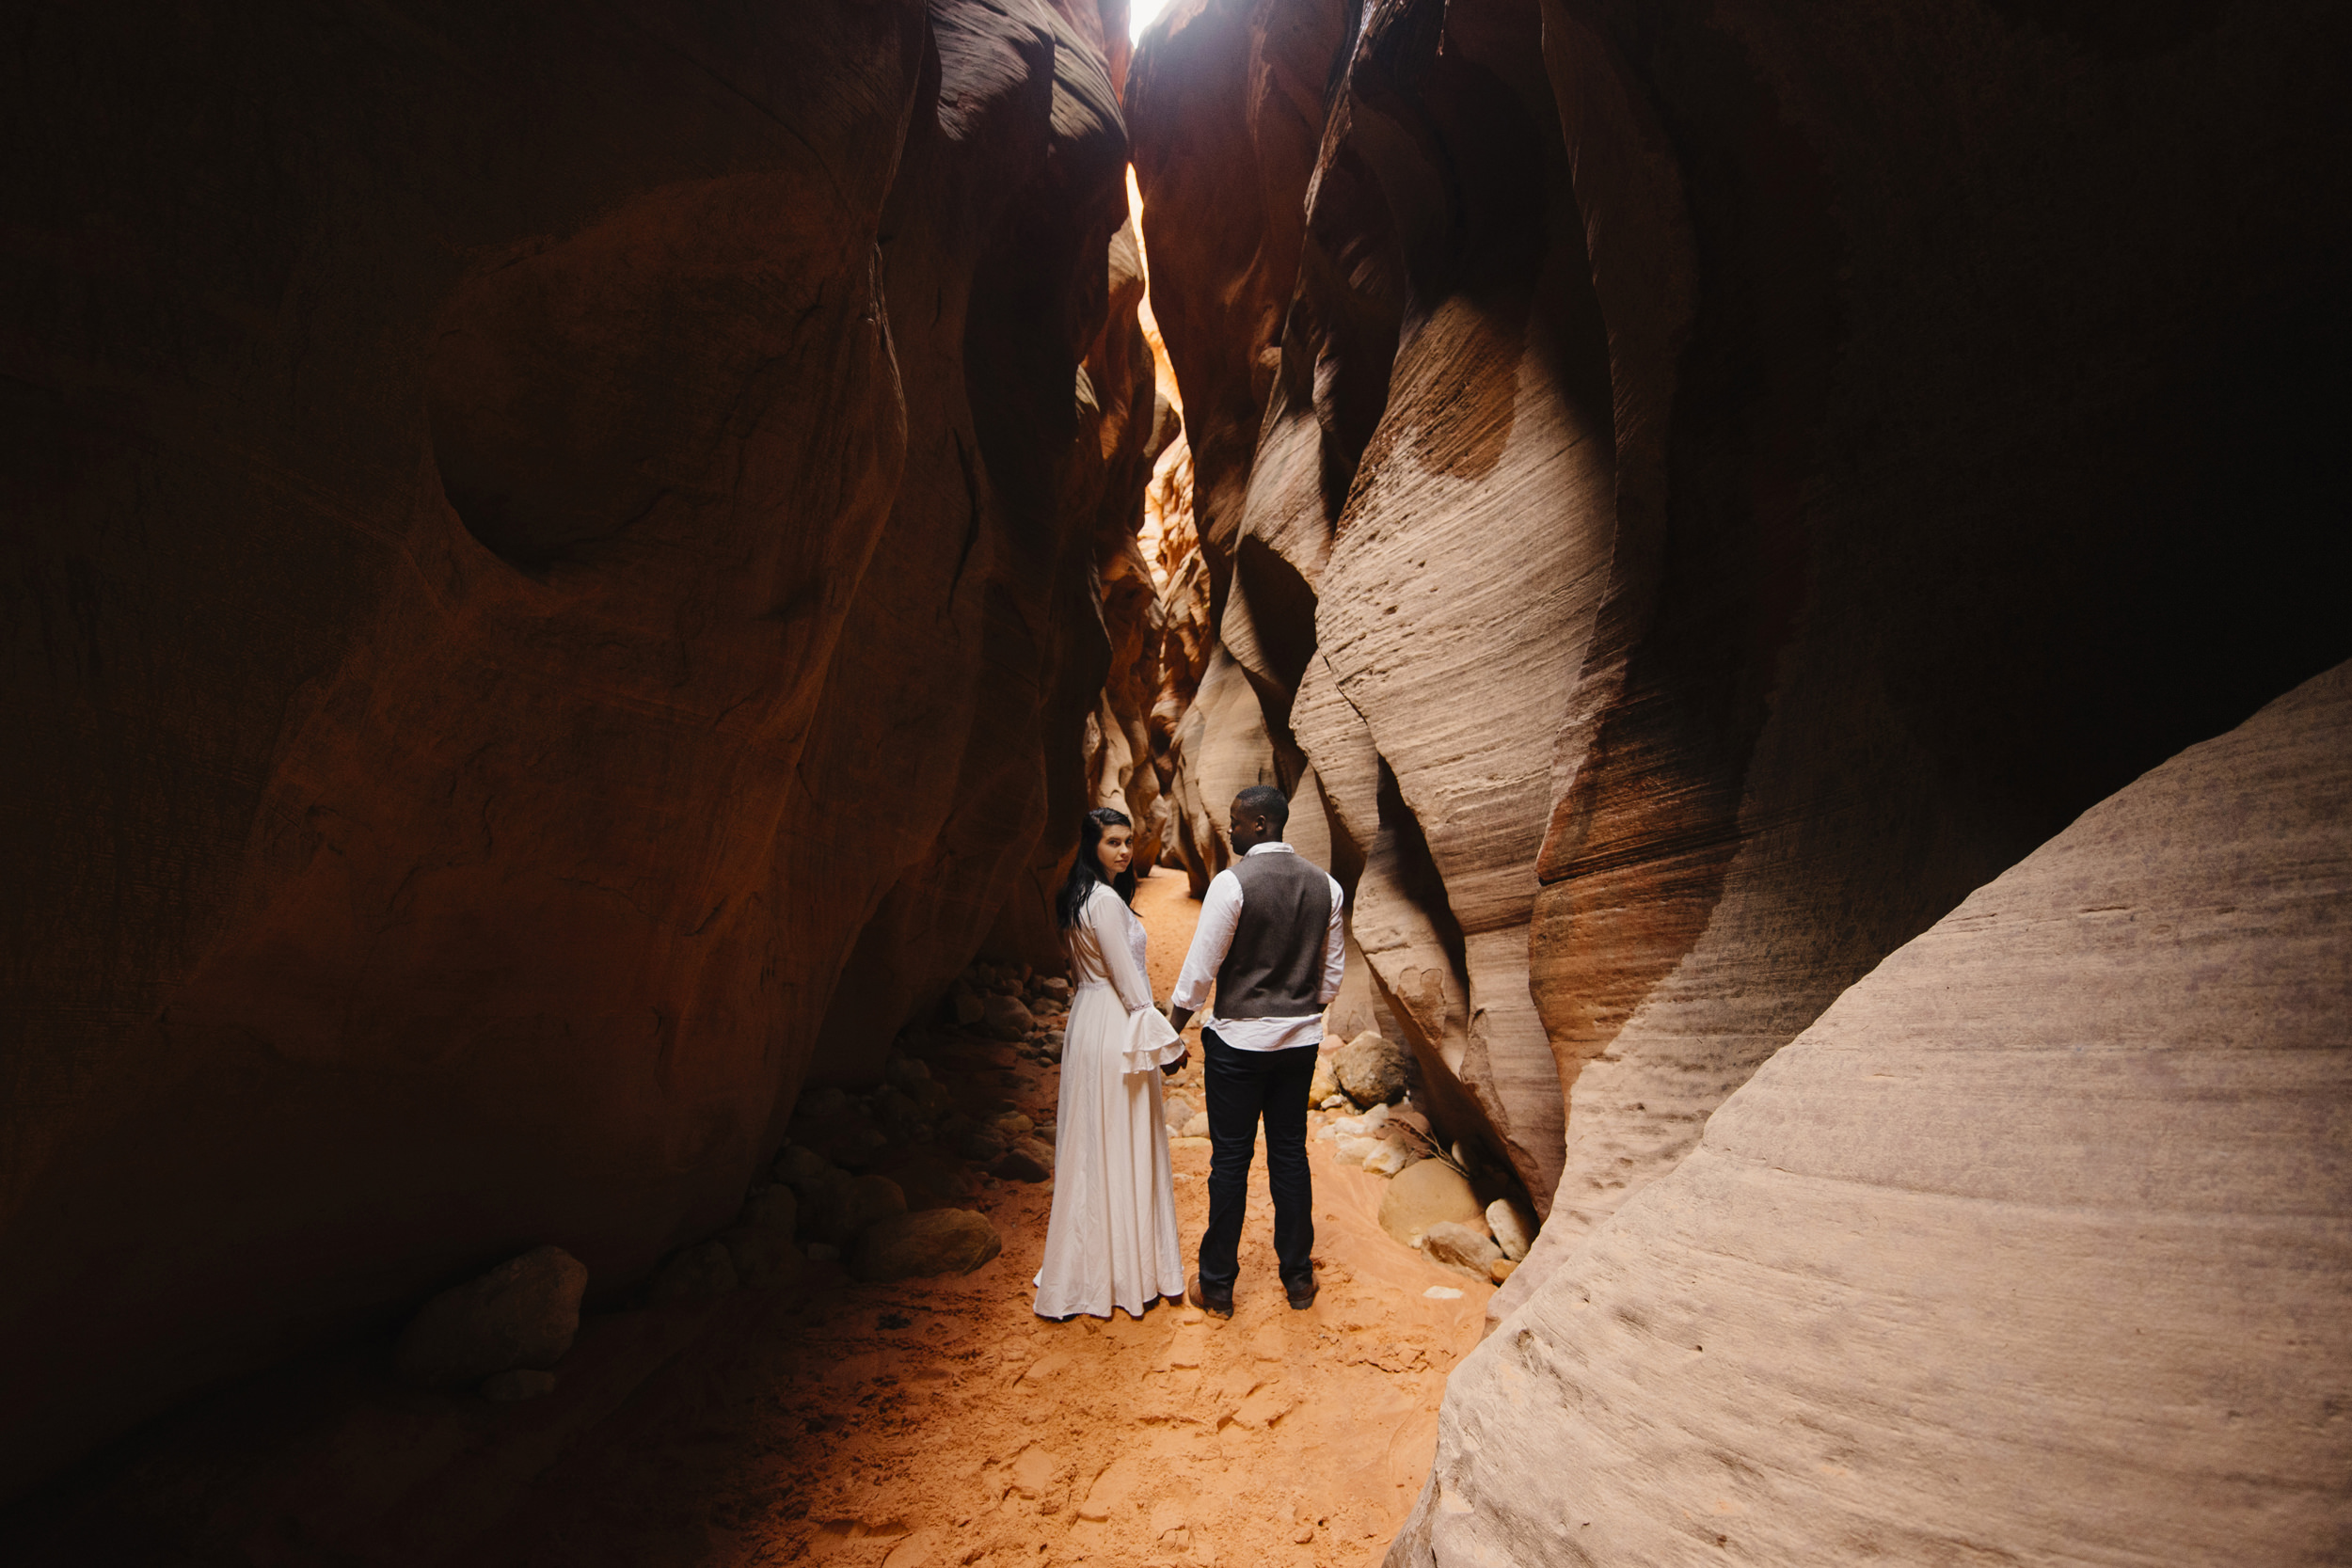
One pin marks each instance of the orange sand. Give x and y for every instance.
(932, 1422)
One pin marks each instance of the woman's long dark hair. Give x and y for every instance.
(1086, 870)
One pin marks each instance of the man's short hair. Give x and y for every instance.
(1264, 800)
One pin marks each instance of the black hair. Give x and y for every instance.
(1086, 869)
(1268, 803)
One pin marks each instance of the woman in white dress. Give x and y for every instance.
(1112, 1240)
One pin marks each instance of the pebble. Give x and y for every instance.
(1442, 1292)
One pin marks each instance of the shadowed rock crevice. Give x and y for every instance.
(591, 535)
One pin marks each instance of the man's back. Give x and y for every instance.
(1274, 967)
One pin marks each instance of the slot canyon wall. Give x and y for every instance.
(553, 597)
(1694, 492)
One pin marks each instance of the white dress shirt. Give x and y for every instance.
(1220, 914)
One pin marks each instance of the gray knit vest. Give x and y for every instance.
(1275, 966)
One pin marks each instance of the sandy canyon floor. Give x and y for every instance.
(926, 1422)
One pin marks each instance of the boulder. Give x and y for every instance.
(934, 1241)
(1004, 1018)
(1176, 1111)
(1370, 1070)
(965, 1005)
(1427, 1193)
(980, 1144)
(863, 1200)
(1513, 1225)
(1390, 1158)
(1197, 1127)
(692, 1276)
(931, 1179)
(1055, 986)
(1024, 1159)
(523, 1313)
(1460, 1246)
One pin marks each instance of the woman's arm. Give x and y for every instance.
(1106, 918)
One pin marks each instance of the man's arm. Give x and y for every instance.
(1334, 948)
(1220, 914)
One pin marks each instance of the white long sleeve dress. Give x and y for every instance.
(1112, 1239)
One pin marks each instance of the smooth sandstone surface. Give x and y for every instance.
(2033, 1248)
(552, 598)
(1628, 458)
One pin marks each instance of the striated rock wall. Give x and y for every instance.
(2033, 1248)
(551, 597)
(1688, 558)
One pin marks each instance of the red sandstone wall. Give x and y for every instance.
(548, 597)
(1721, 489)
(1729, 482)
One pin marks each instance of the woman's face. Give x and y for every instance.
(1116, 849)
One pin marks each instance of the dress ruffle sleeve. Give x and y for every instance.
(1150, 1041)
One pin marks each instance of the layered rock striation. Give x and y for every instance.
(552, 598)
(1724, 484)
(1717, 493)
(2033, 1248)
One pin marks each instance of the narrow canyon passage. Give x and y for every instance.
(571, 577)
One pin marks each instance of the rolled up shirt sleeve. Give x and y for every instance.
(1211, 938)
(1334, 946)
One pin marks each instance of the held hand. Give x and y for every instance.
(1171, 1068)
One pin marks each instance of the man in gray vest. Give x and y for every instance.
(1270, 934)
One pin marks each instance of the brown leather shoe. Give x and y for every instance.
(1219, 1303)
(1302, 1296)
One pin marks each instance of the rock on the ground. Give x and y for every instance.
(523, 1313)
(1356, 1150)
(1325, 1083)
(1391, 1157)
(1500, 1268)
(1460, 1246)
(1004, 1017)
(2036, 1241)
(1025, 1159)
(1055, 986)
(1197, 1127)
(693, 1275)
(1514, 1228)
(513, 1388)
(931, 1179)
(965, 1005)
(934, 1241)
(1427, 1193)
(1370, 1070)
(863, 1200)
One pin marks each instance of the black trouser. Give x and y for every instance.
(1244, 1084)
